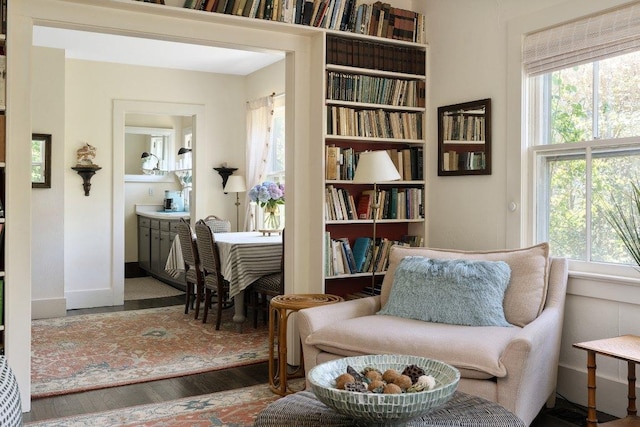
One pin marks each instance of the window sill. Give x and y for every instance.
(604, 287)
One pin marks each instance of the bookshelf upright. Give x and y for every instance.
(3, 74)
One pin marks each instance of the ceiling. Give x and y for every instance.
(152, 53)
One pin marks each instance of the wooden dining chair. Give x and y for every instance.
(214, 283)
(266, 287)
(193, 273)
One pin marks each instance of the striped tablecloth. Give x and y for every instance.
(244, 257)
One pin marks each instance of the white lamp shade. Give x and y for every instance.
(235, 184)
(374, 167)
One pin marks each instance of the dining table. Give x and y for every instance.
(244, 257)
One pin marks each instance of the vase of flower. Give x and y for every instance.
(271, 217)
(269, 196)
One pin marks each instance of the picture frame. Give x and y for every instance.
(40, 160)
(464, 138)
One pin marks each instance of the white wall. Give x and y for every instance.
(475, 53)
(47, 217)
(87, 236)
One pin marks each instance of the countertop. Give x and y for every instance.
(156, 212)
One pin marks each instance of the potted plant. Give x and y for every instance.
(625, 220)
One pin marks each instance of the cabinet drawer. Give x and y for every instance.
(155, 223)
(164, 225)
(144, 222)
(173, 226)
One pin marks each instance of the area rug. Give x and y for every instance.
(93, 351)
(138, 288)
(231, 408)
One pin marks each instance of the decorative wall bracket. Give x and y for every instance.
(225, 173)
(86, 172)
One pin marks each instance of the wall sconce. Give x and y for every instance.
(225, 173)
(183, 150)
(146, 155)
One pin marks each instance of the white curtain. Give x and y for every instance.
(584, 40)
(259, 120)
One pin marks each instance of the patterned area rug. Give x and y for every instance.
(232, 408)
(93, 351)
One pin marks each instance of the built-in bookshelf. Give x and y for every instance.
(377, 19)
(374, 100)
(3, 109)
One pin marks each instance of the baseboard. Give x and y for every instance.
(89, 299)
(611, 395)
(48, 308)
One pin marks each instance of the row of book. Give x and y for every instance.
(468, 160)
(377, 19)
(366, 256)
(374, 123)
(341, 163)
(370, 55)
(463, 128)
(394, 203)
(375, 90)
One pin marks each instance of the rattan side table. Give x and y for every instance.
(280, 308)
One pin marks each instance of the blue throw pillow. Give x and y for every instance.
(458, 292)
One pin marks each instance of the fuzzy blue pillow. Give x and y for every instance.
(458, 292)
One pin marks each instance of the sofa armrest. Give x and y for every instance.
(531, 358)
(315, 318)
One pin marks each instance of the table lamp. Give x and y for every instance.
(375, 167)
(236, 184)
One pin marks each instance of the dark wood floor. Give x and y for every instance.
(565, 414)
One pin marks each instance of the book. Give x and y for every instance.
(307, 12)
(351, 262)
(332, 162)
(360, 248)
(1, 301)
(364, 206)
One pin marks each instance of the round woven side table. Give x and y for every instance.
(280, 308)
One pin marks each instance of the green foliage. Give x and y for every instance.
(625, 220)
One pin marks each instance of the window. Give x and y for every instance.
(584, 139)
(275, 168)
(275, 162)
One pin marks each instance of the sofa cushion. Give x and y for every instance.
(525, 296)
(474, 351)
(459, 292)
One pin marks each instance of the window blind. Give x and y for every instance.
(585, 40)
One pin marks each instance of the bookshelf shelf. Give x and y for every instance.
(370, 72)
(354, 275)
(358, 121)
(350, 182)
(370, 221)
(369, 106)
(347, 138)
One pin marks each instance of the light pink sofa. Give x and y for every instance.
(513, 366)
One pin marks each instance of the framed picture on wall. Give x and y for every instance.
(40, 160)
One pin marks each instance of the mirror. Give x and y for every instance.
(464, 138)
(40, 160)
(147, 150)
(154, 137)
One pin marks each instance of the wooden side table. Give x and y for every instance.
(280, 308)
(627, 348)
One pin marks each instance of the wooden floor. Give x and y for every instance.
(565, 414)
